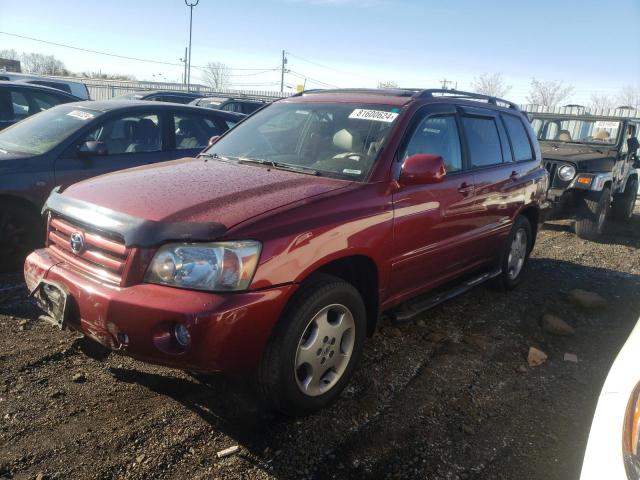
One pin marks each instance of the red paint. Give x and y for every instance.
(418, 234)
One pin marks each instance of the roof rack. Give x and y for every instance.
(400, 92)
(417, 93)
(429, 93)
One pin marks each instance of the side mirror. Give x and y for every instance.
(422, 168)
(92, 149)
(214, 139)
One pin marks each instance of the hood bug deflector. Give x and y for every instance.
(136, 232)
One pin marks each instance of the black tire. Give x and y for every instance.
(20, 233)
(624, 203)
(593, 213)
(277, 375)
(507, 281)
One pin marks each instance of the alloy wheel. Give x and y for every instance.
(517, 254)
(325, 350)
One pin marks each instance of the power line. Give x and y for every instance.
(321, 65)
(314, 80)
(137, 59)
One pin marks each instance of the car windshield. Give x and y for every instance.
(333, 139)
(577, 130)
(42, 132)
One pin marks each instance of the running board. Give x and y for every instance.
(408, 310)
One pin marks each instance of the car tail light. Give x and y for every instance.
(631, 436)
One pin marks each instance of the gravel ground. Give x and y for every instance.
(450, 396)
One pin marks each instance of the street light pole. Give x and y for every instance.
(190, 4)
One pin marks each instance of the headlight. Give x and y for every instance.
(631, 435)
(221, 266)
(567, 172)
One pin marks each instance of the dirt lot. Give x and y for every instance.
(448, 397)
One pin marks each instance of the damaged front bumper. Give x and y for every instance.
(228, 332)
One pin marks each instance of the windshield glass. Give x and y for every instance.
(577, 130)
(43, 131)
(333, 139)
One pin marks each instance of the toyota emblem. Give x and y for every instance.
(76, 240)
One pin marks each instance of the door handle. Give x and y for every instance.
(466, 189)
(514, 175)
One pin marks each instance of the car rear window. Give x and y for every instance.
(519, 139)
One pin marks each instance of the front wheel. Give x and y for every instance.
(516, 253)
(314, 348)
(593, 214)
(625, 203)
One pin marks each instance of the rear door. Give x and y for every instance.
(433, 224)
(497, 179)
(132, 139)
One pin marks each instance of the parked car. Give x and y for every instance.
(77, 89)
(278, 247)
(593, 173)
(240, 105)
(71, 142)
(172, 96)
(613, 448)
(20, 100)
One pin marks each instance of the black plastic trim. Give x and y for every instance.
(135, 232)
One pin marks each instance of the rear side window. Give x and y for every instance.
(483, 141)
(44, 101)
(438, 136)
(519, 138)
(59, 86)
(194, 131)
(20, 105)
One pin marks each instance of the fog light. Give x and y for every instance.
(181, 334)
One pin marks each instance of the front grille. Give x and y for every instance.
(551, 167)
(102, 256)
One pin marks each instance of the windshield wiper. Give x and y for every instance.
(282, 166)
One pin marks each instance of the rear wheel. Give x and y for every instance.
(315, 347)
(516, 253)
(593, 214)
(624, 203)
(20, 233)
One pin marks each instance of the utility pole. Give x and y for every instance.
(284, 63)
(446, 82)
(184, 60)
(190, 4)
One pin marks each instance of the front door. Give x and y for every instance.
(434, 223)
(131, 139)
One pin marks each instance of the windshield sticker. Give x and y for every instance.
(375, 115)
(81, 115)
(349, 171)
(606, 124)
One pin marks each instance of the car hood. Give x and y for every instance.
(586, 158)
(575, 153)
(200, 190)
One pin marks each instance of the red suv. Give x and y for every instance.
(277, 248)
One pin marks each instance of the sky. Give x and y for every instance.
(593, 45)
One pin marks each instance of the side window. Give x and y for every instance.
(437, 136)
(194, 131)
(43, 101)
(232, 107)
(58, 86)
(20, 105)
(519, 138)
(483, 141)
(131, 134)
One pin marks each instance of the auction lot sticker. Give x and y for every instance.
(375, 115)
(81, 115)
